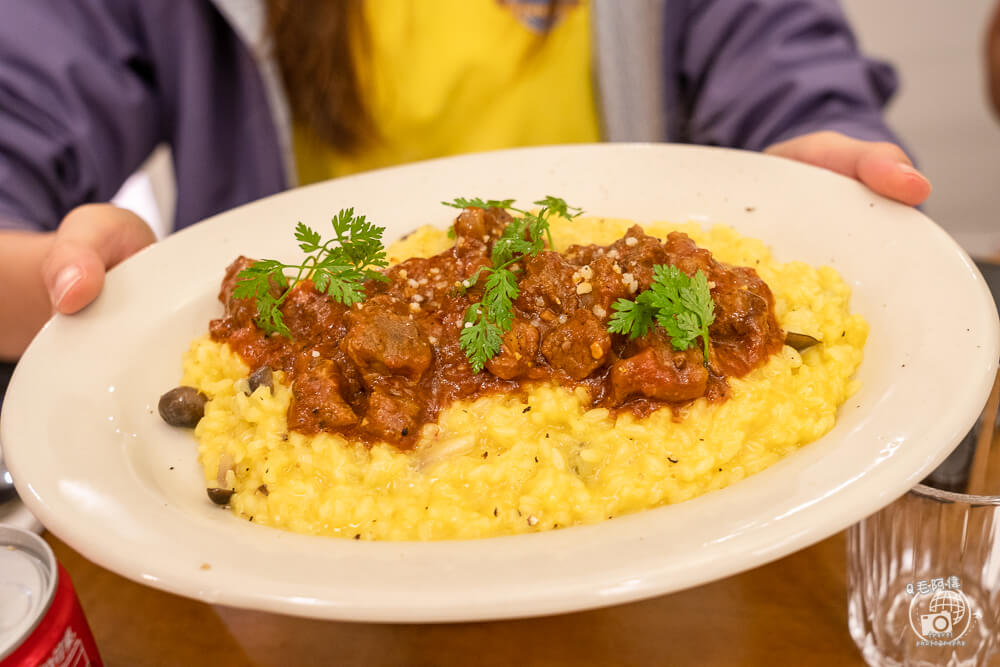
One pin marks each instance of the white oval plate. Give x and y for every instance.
(99, 468)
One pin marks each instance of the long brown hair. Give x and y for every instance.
(316, 44)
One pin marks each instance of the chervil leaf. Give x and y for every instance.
(338, 268)
(511, 243)
(538, 230)
(524, 236)
(360, 241)
(559, 207)
(342, 223)
(476, 202)
(632, 318)
(308, 238)
(664, 291)
(347, 292)
(252, 282)
(697, 297)
(498, 298)
(679, 303)
(479, 339)
(472, 280)
(371, 274)
(269, 316)
(682, 327)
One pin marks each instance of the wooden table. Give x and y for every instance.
(790, 612)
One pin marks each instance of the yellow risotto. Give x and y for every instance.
(493, 467)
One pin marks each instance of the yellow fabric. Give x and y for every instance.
(455, 76)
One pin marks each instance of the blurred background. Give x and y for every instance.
(941, 113)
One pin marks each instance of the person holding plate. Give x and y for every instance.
(256, 97)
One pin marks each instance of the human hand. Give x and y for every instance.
(90, 240)
(881, 166)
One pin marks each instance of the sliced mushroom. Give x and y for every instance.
(800, 341)
(182, 406)
(226, 464)
(430, 455)
(262, 376)
(220, 496)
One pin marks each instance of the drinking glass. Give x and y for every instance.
(923, 574)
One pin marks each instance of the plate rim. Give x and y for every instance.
(538, 605)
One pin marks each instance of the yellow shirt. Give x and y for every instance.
(457, 76)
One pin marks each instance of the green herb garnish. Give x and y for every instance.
(338, 268)
(486, 322)
(679, 303)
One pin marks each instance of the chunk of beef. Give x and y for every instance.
(312, 315)
(745, 330)
(240, 311)
(237, 324)
(517, 355)
(660, 373)
(688, 257)
(352, 387)
(382, 342)
(468, 255)
(636, 254)
(485, 225)
(317, 404)
(547, 284)
(393, 411)
(604, 286)
(579, 346)
(580, 255)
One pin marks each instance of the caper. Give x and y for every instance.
(220, 496)
(182, 406)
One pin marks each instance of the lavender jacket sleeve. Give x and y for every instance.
(751, 73)
(89, 87)
(78, 108)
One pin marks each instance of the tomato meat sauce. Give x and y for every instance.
(382, 369)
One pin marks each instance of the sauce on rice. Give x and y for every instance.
(383, 369)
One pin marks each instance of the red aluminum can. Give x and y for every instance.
(41, 621)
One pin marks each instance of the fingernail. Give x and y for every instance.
(65, 280)
(911, 171)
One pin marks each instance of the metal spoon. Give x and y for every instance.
(7, 491)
